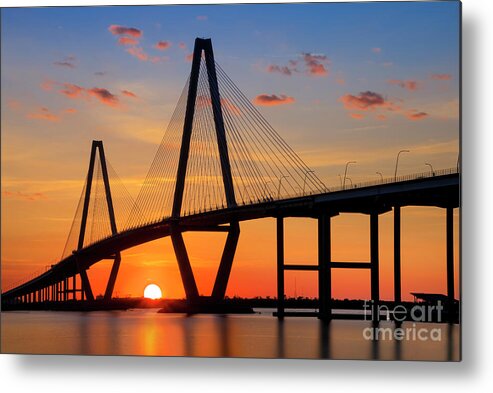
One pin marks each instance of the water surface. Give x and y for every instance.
(146, 332)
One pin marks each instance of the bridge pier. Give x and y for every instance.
(280, 266)
(397, 254)
(450, 255)
(324, 268)
(374, 260)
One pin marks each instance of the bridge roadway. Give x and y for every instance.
(439, 191)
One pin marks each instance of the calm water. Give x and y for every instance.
(145, 332)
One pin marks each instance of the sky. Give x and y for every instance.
(338, 82)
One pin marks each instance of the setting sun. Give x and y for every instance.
(152, 291)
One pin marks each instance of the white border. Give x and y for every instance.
(149, 375)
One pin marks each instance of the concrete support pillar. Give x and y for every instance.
(324, 270)
(397, 254)
(450, 255)
(374, 257)
(280, 267)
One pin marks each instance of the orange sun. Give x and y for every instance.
(152, 291)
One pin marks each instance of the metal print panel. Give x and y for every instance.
(268, 180)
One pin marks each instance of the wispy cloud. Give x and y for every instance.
(285, 70)
(415, 115)
(104, 96)
(202, 17)
(372, 101)
(122, 30)
(366, 100)
(162, 45)
(272, 100)
(128, 93)
(316, 64)
(67, 62)
(441, 77)
(308, 63)
(127, 41)
(357, 116)
(44, 114)
(410, 85)
(376, 50)
(71, 91)
(142, 55)
(74, 92)
(24, 196)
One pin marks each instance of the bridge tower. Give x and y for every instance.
(203, 50)
(97, 149)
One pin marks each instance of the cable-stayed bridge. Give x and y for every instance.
(218, 164)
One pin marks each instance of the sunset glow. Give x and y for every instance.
(117, 77)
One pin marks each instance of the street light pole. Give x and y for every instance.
(397, 162)
(350, 181)
(431, 168)
(381, 176)
(279, 187)
(345, 173)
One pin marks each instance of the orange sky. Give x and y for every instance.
(64, 85)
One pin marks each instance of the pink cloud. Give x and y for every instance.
(182, 45)
(341, 81)
(127, 41)
(70, 111)
(23, 196)
(138, 52)
(189, 57)
(71, 90)
(272, 100)
(357, 116)
(285, 70)
(129, 94)
(104, 96)
(122, 30)
(381, 117)
(44, 114)
(410, 85)
(367, 100)
(316, 64)
(162, 45)
(376, 50)
(441, 77)
(415, 115)
(202, 17)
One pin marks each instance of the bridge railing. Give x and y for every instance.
(398, 179)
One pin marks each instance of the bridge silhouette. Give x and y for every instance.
(218, 164)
